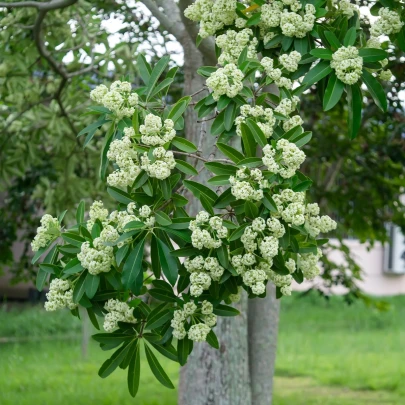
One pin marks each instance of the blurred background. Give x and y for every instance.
(340, 338)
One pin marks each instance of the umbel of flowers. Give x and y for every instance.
(159, 278)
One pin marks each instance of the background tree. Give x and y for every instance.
(56, 82)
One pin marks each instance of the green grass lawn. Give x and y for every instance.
(328, 354)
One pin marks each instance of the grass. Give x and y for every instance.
(328, 354)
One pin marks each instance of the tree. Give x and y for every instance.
(294, 45)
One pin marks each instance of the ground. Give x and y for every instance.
(328, 354)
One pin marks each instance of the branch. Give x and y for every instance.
(51, 5)
(194, 156)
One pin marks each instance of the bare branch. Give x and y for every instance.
(192, 155)
(51, 5)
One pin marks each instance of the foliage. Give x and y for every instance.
(100, 264)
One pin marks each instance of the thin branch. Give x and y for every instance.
(194, 156)
(51, 5)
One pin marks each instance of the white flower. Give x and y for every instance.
(60, 295)
(348, 64)
(49, 230)
(227, 80)
(207, 235)
(162, 165)
(198, 332)
(155, 133)
(388, 23)
(117, 312)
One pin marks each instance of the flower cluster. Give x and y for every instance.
(155, 133)
(96, 212)
(248, 184)
(160, 165)
(308, 264)
(119, 99)
(232, 44)
(198, 331)
(207, 232)
(203, 271)
(348, 8)
(287, 106)
(348, 64)
(122, 152)
(290, 60)
(289, 16)
(49, 229)
(99, 258)
(285, 163)
(388, 23)
(117, 312)
(227, 80)
(275, 74)
(213, 15)
(60, 295)
(263, 117)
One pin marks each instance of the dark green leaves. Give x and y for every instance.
(80, 287)
(114, 361)
(157, 369)
(168, 262)
(225, 310)
(376, 90)
(257, 133)
(322, 53)
(350, 37)
(134, 370)
(355, 101)
(178, 109)
(372, 54)
(317, 73)
(333, 92)
(156, 73)
(184, 145)
(119, 195)
(230, 152)
(133, 266)
(248, 140)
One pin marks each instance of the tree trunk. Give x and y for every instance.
(224, 376)
(263, 317)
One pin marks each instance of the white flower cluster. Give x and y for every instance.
(213, 15)
(388, 23)
(207, 232)
(121, 152)
(233, 43)
(283, 281)
(155, 133)
(227, 80)
(199, 331)
(248, 184)
(275, 73)
(161, 165)
(49, 229)
(348, 64)
(119, 99)
(290, 60)
(286, 163)
(203, 271)
(289, 16)
(117, 312)
(99, 258)
(236, 297)
(97, 211)
(263, 117)
(60, 295)
(348, 8)
(308, 264)
(291, 208)
(287, 106)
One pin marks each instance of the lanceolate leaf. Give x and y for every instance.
(333, 92)
(133, 265)
(134, 370)
(355, 101)
(167, 262)
(156, 73)
(92, 283)
(114, 361)
(317, 73)
(230, 152)
(375, 89)
(157, 369)
(80, 287)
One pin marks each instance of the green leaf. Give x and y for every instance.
(162, 295)
(212, 339)
(257, 133)
(302, 139)
(230, 115)
(92, 283)
(185, 167)
(162, 85)
(303, 186)
(73, 238)
(372, 54)
(80, 213)
(355, 102)
(167, 262)
(230, 152)
(225, 310)
(119, 195)
(185, 252)
(178, 109)
(219, 180)
(184, 145)
(332, 39)
(50, 268)
(254, 19)
(317, 73)
(206, 71)
(158, 317)
(133, 265)
(248, 141)
(375, 89)
(251, 210)
(103, 154)
(183, 350)
(134, 225)
(157, 369)
(167, 350)
(144, 68)
(350, 37)
(237, 233)
(269, 203)
(322, 53)
(198, 189)
(274, 41)
(221, 168)
(156, 73)
(134, 370)
(141, 179)
(333, 92)
(222, 254)
(162, 218)
(43, 275)
(80, 287)
(114, 361)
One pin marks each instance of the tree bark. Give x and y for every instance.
(263, 318)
